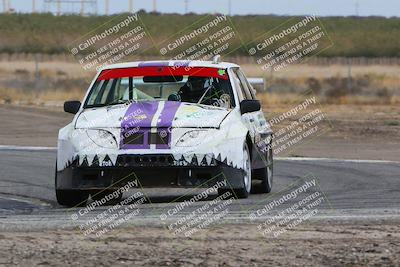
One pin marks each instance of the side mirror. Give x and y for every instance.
(247, 106)
(72, 106)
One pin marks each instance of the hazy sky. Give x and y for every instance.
(280, 7)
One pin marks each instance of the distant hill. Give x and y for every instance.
(46, 33)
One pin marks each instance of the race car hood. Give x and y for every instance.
(160, 114)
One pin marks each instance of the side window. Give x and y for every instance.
(237, 83)
(251, 89)
(245, 84)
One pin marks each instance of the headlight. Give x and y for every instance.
(102, 138)
(191, 138)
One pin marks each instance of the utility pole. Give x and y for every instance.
(33, 6)
(131, 6)
(106, 8)
(154, 5)
(58, 7)
(82, 7)
(186, 6)
(230, 7)
(9, 7)
(357, 5)
(6, 6)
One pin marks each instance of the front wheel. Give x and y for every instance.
(244, 191)
(72, 198)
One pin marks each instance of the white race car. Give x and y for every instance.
(164, 124)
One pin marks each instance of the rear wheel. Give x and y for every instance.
(265, 175)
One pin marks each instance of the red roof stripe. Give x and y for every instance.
(162, 71)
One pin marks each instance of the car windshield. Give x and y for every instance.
(207, 86)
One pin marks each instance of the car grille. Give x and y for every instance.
(144, 138)
(134, 139)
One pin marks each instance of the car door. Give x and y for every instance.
(260, 129)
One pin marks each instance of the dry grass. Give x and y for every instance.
(54, 68)
(48, 97)
(370, 84)
(271, 99)
(324, 71)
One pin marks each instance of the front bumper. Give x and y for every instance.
(150, 170)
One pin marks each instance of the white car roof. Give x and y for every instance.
(192, 63)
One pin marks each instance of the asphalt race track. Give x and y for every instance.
(352, 189)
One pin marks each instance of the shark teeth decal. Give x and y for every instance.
(204, 161)
(209, 158)
(113, 158)
(100, 159)
(95, 161)
(194, 160)
(188, 159)
(90, 159)
(85, 162)
(80, 160)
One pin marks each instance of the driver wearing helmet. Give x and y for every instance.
(193, 89)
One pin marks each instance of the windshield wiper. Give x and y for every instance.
(117, 102)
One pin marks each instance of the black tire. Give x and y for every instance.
(267, 174)
(72, 198)
(244, 191)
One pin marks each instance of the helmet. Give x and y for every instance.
(195, 84)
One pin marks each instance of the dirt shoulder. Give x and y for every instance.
(355, 132)
(228, 245)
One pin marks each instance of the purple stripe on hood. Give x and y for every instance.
(168, 114)
(164, 123)
(137, 120)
